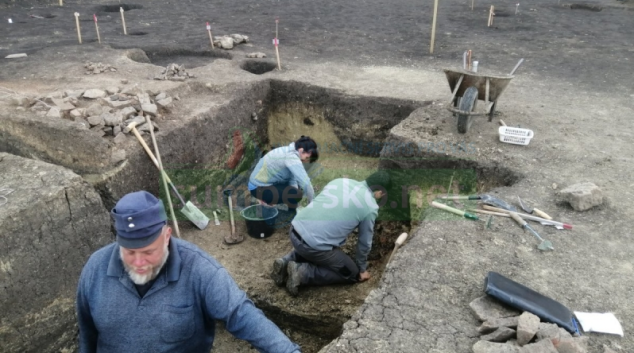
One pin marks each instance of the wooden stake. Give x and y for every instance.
(61, 2)
(277, 20)
(277, 42)
(97, 28)
(472, 1)
(491, 14)
(125, 31)
(433, 28)
(78, 28)
(210, 37)
(277, 53)
(469, 62)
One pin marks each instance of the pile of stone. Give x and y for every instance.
(98, 68)
(174, 72)
(229, 41)
(107, 112)
(256, 55)
(505, 330)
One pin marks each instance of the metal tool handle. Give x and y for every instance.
(516, 66)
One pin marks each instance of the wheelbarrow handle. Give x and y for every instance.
(516, 66)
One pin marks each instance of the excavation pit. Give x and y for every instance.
(118, 7)
(214, 148)
(258, 67)
(353, 132)
(189, 58)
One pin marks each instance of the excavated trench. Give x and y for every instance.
(212, 149)
(353, 133)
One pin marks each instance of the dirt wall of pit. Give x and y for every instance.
(51, 221)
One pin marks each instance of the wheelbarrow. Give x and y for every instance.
(468, 87)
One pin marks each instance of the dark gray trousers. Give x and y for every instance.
(322, 267)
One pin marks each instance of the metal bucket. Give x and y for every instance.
(260, 220)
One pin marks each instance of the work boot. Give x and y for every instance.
(295, 274)
(279, 271)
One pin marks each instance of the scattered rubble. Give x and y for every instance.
(229, 41)
(174, 72)
(98, 68)
(531, 335)
(105, 112)
(582, 196)
(256, 55)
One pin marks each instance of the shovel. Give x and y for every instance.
(190, 210)
(545, 245)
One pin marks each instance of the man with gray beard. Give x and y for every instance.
(148, 292)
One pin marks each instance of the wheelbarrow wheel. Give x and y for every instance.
(467, 104)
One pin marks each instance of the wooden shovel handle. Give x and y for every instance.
(542, 214)
(518, 219)
(447, 208)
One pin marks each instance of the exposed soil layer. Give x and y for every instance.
(574, 90)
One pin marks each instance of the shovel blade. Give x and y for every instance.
(195, 215)
(546, 246)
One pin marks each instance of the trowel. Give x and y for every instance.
(545, 245)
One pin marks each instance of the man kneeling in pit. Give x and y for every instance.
(321, 228)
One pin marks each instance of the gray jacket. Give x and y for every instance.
(342, 206)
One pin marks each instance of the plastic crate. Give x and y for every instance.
(515, 135)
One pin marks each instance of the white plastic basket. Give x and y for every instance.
(515, 135)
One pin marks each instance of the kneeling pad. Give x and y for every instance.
(523, 298)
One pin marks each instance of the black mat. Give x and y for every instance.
(523, 298)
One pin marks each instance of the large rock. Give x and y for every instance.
(94, 93)
(582, 196)
(527, 327)
(543, 346)
(492, 347)
(51, 222)
(502, 334)
(486, 308)
(492, 325)
(573, 345)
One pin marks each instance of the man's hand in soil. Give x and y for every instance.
(364, 276)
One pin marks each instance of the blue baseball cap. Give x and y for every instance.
(139, 218)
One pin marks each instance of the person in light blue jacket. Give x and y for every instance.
(279, 175)
(149, 292)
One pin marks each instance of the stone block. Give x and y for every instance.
(164, 103)
(486, 308)
(94, 93)
(492, 347)
(527, 327)
(502, 334)
(582, 196)
(54, 113)
(543, 346)
(492, 325)
(573, 345)
(548, 331)
(151, 109)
